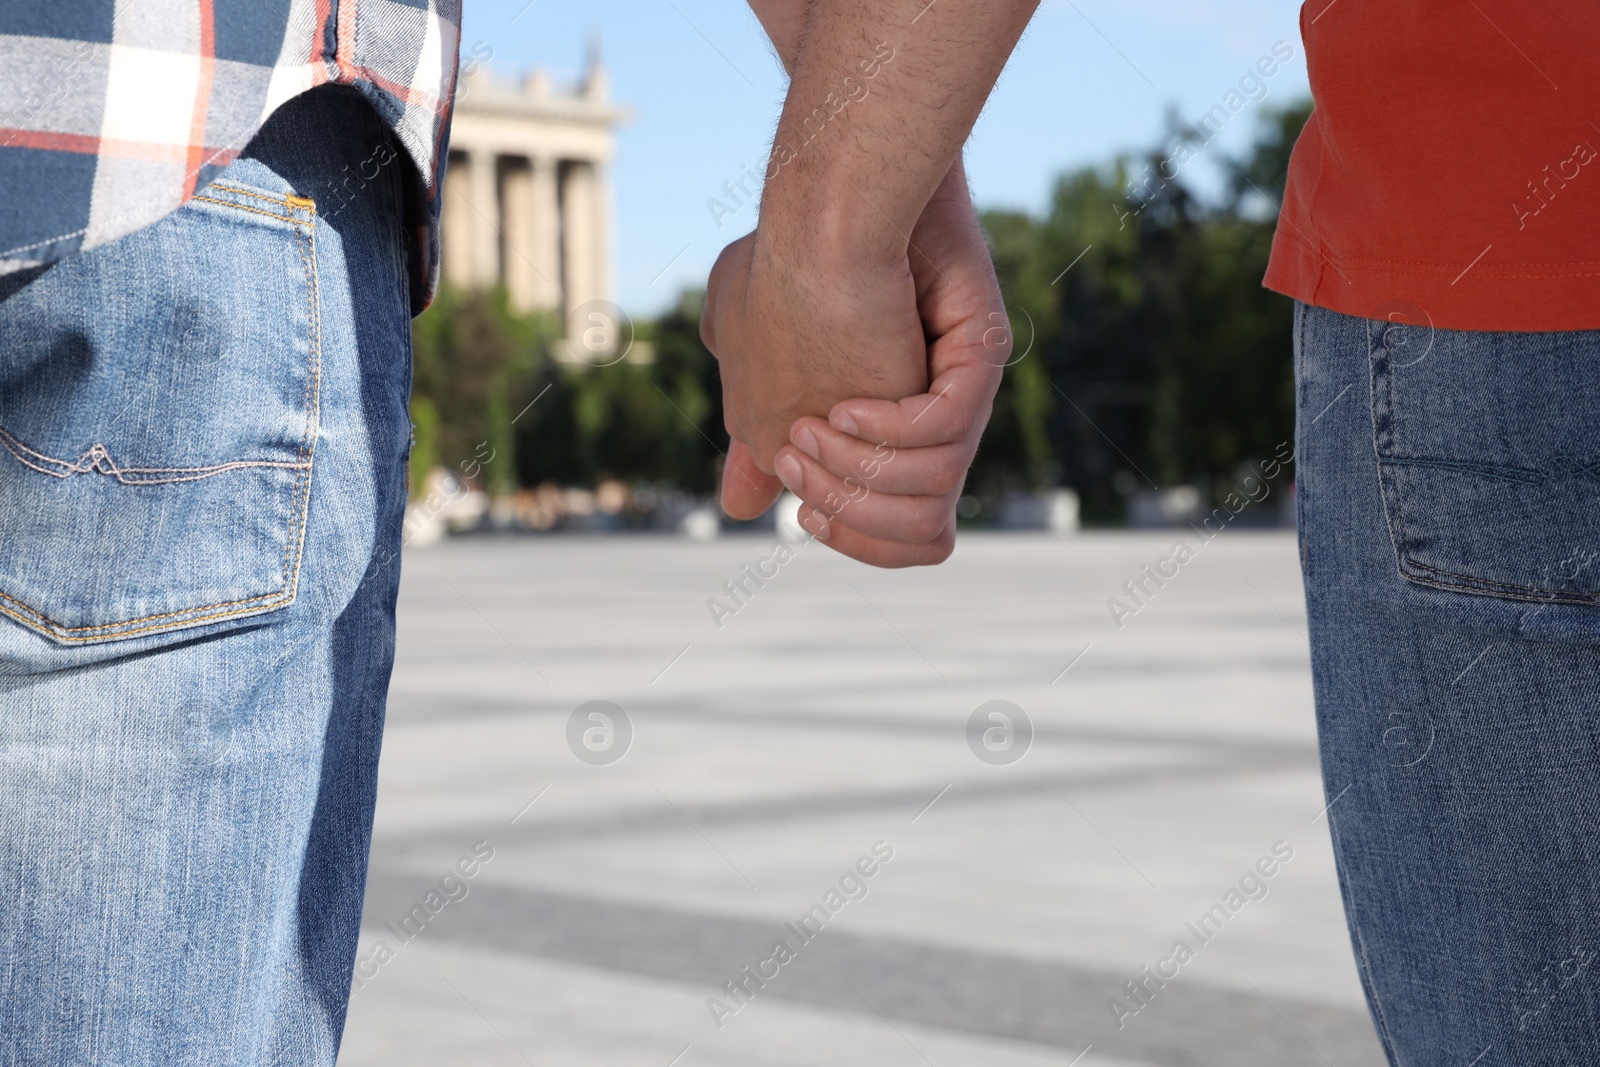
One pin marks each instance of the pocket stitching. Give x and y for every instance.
(1405, 563)
(245, 207)
(288, 202)
(298, 508)
(282, 200)
(98, 460)
(1540, 595)
(1382, 409)
(313, 402)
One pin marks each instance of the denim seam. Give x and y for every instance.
(1487, 470)
(281, 201)
(313, 401)
(1363, 965)
(98, 460)
(1383, 428)
(246, 207)
(1302, 432)
(287, 200)
(293, 550)
(1406, 564)
(1536, 593)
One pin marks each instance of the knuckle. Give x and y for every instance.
(949, 476)
(927, 522)
(943, 546)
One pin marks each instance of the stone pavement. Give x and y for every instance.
(628, 867)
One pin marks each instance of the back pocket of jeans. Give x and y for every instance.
(158, 420)
(1489, 458)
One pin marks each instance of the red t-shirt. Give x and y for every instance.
(1450, 173)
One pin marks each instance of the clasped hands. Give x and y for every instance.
(861, 381)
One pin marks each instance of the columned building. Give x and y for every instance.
(527, 189)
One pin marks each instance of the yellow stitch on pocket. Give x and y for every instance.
(280, 200)
(51, 623)
(313, 403)
(242, 207)
(260, 610)
(301, 202)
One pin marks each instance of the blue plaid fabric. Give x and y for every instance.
(114, 112)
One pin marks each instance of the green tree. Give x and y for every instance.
(1156, 356)
(658, 422)
(475, 364)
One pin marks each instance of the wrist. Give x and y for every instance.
(820, 212)
(954, 188)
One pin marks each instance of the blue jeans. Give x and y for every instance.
(1449, 495)
(203, 432)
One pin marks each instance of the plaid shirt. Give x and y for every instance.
(114, 112)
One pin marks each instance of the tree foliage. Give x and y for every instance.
(479, 366)
(1156, 356)
(475, 363)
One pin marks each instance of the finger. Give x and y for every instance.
(851, 502)
(877, 552)
(764, 442)
(956, 404)
(935, 470)
(747, 492)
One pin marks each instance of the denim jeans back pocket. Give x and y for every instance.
(1489, 458)
(158, 419)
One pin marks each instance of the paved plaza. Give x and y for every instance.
(567, 883)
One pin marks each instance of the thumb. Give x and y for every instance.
(747, 491)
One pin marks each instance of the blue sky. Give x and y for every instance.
(1092, 78)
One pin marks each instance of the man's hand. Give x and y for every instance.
(795, 342)
(880, 479)
(832, 304)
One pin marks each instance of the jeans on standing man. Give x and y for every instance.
(203, 435)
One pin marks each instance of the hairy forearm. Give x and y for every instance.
(883, 94)
(785, 24)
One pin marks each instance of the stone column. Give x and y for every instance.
(545, 239)
(604, 283)
(458, 226)
(516, 202)
(577, 235)
(484, 213)
(532, 220)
